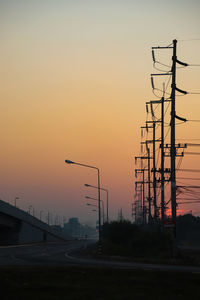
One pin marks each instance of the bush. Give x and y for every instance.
(125, 238)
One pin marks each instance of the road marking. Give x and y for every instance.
(18, 246)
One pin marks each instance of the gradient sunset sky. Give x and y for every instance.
(75, 76)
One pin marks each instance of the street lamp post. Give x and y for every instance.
(41, 214)
(103, 189)
(29, 209)
(16, 198)
(99, 196)
(87, 197)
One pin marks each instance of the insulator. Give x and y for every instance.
(152, 83)
(152, 112)
(147, 108)
(181, 63)
(180, 91)
(142, 133)
(153, 56)
(180, 118)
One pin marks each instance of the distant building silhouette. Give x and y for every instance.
(74, 229)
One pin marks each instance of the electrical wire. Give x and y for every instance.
(186, 139)
(192, 153)
(188, 178)
(189, 40)
(193, 120)
(194, 65)
(179, 163)
(160, 70)
(190, 170)
(192, 144)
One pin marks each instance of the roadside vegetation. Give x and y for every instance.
(127, 239)
(152, 243)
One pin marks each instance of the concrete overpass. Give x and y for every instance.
(19, 227)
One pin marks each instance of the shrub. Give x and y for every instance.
(125, 238)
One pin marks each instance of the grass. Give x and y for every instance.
(49, 283)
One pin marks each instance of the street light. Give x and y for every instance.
(87, 197)
(99, 196)
(16, 198)
(41, 214)
(92, 186)
(29, 209)
(89, 204)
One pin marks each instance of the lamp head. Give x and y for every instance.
(69, 161)
(86, 184)
(87, 197)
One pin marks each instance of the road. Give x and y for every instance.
(40, 253)
(61, 254)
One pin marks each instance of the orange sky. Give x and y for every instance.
(74, 82)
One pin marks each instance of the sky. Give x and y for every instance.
(75, 76)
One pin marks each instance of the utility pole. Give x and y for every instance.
(149, 185)
(170, 150)
(148, 181)
(173, 146)
(138, 203)
(153, 141)
(162, 163)
(143, 198)
(154, 174)
(161, 170)
(142, 183)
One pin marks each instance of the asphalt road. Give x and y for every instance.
(40, 254)
(62, 254)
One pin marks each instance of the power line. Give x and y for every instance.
(186, 139)
(189, 40)
(193, 120)
(190, 170)
(188, 178)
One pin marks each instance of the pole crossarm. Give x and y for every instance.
(150, 141)
(157, 101)
(176, 146)
(161, 74)
(141, 157)
(152, 122)
(141, 182)
(158, 47)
